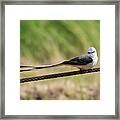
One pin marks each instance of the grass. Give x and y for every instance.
(52, 41)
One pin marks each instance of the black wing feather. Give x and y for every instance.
(79, 61)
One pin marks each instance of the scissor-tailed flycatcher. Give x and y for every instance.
(82, 62)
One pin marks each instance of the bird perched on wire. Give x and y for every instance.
(82, 62)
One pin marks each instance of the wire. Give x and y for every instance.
(43, 77)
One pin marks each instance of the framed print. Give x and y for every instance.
(60, 59)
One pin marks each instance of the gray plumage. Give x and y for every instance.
(82, 60)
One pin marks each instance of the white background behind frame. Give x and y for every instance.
(106, 15)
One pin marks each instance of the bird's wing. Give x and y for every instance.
(83, 60)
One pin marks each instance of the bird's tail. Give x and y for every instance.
(39, 67)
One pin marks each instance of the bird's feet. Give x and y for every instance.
(80, 69)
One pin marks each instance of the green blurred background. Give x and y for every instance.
(52, 41)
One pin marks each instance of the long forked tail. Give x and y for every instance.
(30, 68)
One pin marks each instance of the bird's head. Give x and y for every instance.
(91, 50)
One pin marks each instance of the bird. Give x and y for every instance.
(82, 62)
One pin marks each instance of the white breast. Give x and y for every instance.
(95, 59)
(93, 63)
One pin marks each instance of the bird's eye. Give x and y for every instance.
(91, 52)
